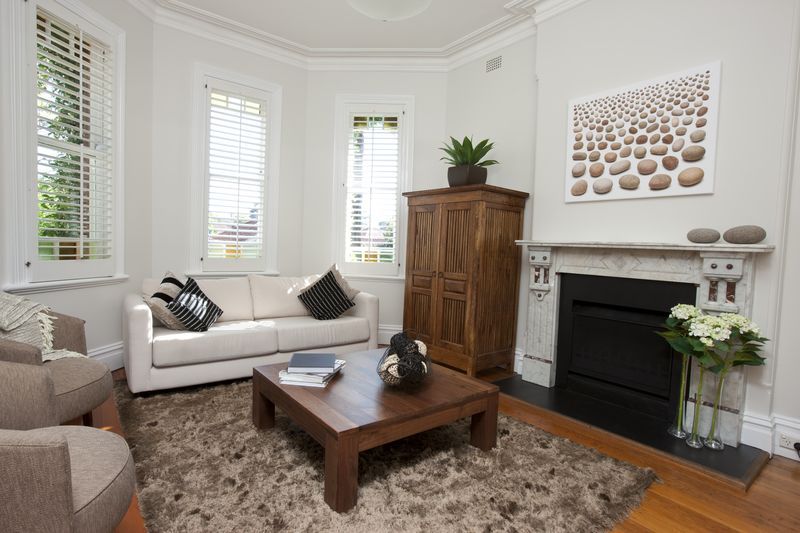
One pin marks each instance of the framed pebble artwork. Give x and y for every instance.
(647, 140)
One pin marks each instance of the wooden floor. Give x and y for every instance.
(685, 499)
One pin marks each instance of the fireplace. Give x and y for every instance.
(716, 277)
(607, 347)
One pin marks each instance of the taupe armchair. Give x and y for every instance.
(79, 385)
(60, 478)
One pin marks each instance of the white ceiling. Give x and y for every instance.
(326, 24)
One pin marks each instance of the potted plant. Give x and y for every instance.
(468, 166)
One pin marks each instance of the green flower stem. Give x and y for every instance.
(698, 399)
(717, 398)
(682, 397)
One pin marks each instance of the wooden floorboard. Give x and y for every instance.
(684, 498)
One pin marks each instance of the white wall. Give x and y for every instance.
(501, 105)
(174, 62)
(428, 90)
(754, 41)
(101, 306)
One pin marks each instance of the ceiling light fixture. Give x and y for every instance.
(390, 10)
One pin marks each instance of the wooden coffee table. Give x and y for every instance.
(357, 412)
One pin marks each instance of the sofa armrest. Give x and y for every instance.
(137, 338)
(35, 482)
(367, 306)
(18, 352)
(27, 397)
(69, 333)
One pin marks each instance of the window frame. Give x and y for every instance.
(27, 274)
(206, 76)
(346, 106)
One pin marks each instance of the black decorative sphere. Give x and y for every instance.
(405, 363)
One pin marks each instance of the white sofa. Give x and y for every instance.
(263, 322)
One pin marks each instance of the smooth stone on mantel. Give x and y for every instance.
(745, 235)
(703, 235)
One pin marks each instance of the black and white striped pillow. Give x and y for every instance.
(193, 308)
(167, 290)
(325, 299)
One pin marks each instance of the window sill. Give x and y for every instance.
(65, 285)
(371, 277)
(218, 275)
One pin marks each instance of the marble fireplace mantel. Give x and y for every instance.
(723, 274)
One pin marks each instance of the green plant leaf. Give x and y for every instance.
(488, 162)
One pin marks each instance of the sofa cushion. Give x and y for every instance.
(308, 333)
(157, 300)
(276, 297)
(222, 341)
(232, 295)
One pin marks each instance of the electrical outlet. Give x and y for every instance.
(787, 441)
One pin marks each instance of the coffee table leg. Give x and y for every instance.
(263, 410)
(341, 472)
(484, 426)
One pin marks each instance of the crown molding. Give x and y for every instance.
(545, 9)
(519, 23)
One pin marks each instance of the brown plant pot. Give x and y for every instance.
(466, 175)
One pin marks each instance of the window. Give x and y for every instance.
(238, 189)
(374, 156)
(74, 214)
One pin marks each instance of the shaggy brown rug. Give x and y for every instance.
(202, 466)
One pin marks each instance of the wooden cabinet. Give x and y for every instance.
(462, 274)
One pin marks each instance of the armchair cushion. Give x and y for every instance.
(35, 481)
(103, 477)
(80, 385)
(27, 397)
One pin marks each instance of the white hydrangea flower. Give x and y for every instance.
(684, 312)
(709, 328)
(743, 324)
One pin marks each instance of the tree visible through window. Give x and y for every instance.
(373, 170)
(74, 120)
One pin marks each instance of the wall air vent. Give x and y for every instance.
(494, 63)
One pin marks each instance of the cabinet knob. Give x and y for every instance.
(441, 274)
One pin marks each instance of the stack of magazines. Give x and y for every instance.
(311, 369)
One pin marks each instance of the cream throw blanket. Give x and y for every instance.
(28, 322)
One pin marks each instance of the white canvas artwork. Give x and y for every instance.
(651, 139)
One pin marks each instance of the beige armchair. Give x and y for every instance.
(61, 478)
(79, 385)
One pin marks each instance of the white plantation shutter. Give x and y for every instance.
(372, 190)
(75, 124)
(236, 177)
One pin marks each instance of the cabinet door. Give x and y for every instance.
(455, 265)
(421, 261)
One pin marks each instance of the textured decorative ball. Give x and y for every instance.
(405, 363)
(703, 235)
(745, 235)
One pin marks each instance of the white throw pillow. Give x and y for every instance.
(276, 297)
(232, 295)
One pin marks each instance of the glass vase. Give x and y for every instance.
(676, 429)
(694, 440)
(714, 440)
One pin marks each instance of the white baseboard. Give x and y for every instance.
(764, 433)
(110, 355)
(385, 332)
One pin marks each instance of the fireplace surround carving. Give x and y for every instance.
(722, 273)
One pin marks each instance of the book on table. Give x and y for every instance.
(312, 363)
(311, 379)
